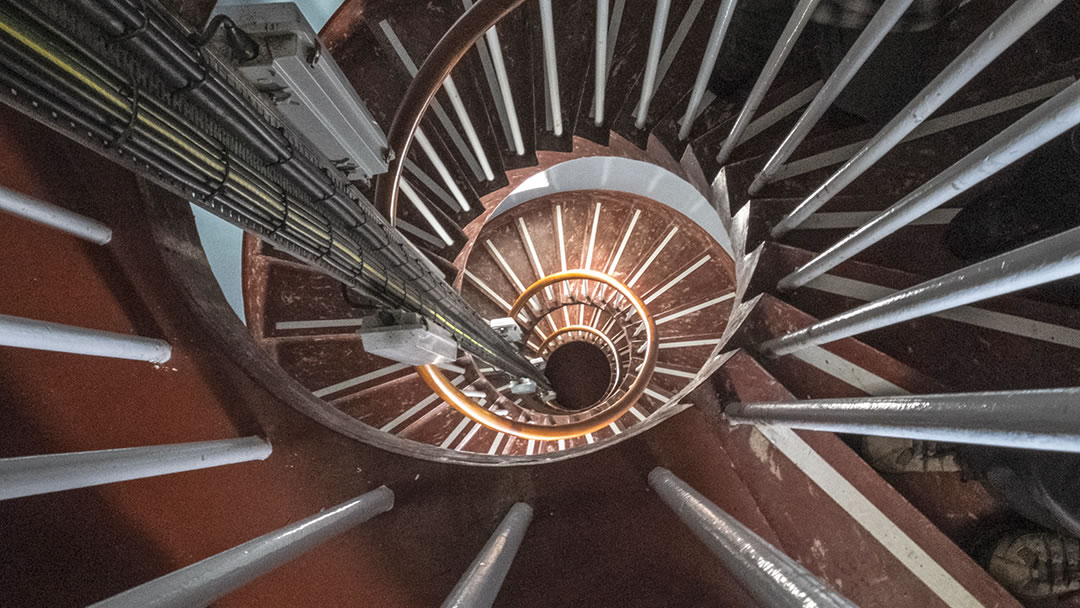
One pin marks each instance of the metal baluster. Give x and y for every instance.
(708, 64)
(499, 64)
(1013, 23)
(1050, 259)
(440, 168)
(875, 31)
(780, 52)
(54, 217)
(43, 335)
(772, 578)
(1033, 420)
(480, 584)
(1042, 124)
(206, 581)
(41, 474)
(551, 67)
(600, 80)
(467, 123)
(652, 61)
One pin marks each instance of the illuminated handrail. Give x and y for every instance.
(442, 387)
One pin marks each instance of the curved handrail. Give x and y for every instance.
(428, 80)
(442, 387)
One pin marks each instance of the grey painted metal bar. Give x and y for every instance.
(55, 217)
(708, 63)
(1031, 420)
(1013, 23)
(1052, 118)
(1050, 259)
(32, 475)
(652, 62)
(480, 584)
(43, 335)
(776, 60)
(871, 36)
(208, 580)
(600, 72)
(772, 578)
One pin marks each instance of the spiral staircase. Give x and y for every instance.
(659, 326)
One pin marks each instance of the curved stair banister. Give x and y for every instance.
(441, 385)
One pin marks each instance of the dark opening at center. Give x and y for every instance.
(579, 373)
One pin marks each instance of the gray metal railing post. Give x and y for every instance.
(1050, 259)
(1047, 419)
(708, 63)
(480, 584)
(875, 31)
(780, 53)
(1013, 23)
(54, 217)
(652, 61)
(772, 578)
(208, 580)
(41, 474)
(20, 332)
(1052, 118)
(603, 20)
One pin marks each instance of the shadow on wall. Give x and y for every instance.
(622, 175)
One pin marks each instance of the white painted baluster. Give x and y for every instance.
(652, 61)
(43, 335)
(551, 67)
(708, 64)
(204, 582)
(54, 217)
(41, 474)
(440, 168)
(601, 71)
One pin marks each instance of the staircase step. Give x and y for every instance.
(851, 528)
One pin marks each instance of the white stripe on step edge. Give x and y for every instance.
(409, 413)
(689, 343)
(891, 537)
(778, 113)
(693, 309)
(589, 439)
(672, 372)
(847, 372)
(655, 395)
(468, 436)
(625, 240)
(318, 324)
(979, 317)
(489, 292)
(562, 444)
(682, 275)
(450, 368)
(853, 219)
(592, 237)
(930, 127)
(379, 373)
(530, 447)
(503, 265)
(614, 428)
(495, 444)
(655, 253)
(637, 414)
(454, 434)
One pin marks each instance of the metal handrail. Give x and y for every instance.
(442, 59)
(442, 387)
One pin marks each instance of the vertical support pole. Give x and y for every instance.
(55, 217)
(204, 582)
(772, 578)
(776, 60)
(551, 66)
(652, 62)
(1013, 23)
(601, 70)
(32, 475)
(875, 31)
(43, 335)
(499, 65)
(480, 584)
(1053, 258)
(708, 64)
(1052, 118)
